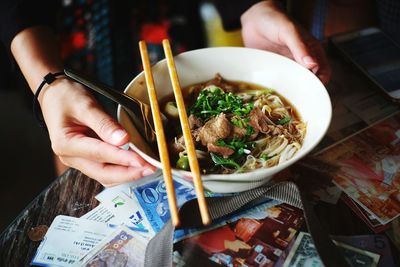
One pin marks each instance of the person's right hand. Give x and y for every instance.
(265, 26)
(86, 138)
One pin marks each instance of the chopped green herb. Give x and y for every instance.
(284, 120)
(249, 130)
(226, 162)
(237, 122)
(241, 147)
(266, 157)
(213, 100)
(236, 144)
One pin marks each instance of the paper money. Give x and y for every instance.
(68, 239)
(378, 244)
(123, 247)
(127, 188)
(304, 253)
(144, 205)
(99, 214)
(152, 197)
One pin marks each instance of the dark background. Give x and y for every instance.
(97, 37)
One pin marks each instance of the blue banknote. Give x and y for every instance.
(152, 197)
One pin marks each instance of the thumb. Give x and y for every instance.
(299, 49)
(106, 127)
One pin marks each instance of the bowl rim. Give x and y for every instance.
(238, 177)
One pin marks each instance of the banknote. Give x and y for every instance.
(144, 204)
(68, 239)
(127, 188)
(123, 247)
(304, 253)
(378, 244)
(152, 197)
(128, 211)
(103, 214)
(99, 214)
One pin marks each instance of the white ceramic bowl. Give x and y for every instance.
(294, 82)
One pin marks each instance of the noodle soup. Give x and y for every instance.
(237, 127)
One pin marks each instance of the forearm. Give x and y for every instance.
(36, 51)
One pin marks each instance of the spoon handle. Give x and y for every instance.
(138, 111)
(103, 89)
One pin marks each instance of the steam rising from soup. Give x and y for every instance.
(237, 127)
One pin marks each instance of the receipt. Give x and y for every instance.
(68, 240)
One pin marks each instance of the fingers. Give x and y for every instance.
(265, 26)
(325, 71)
(108, 164)
(88, 139)
(97, 150)
(309, 52)
(298, 48)
(107, 174)
(104, 126)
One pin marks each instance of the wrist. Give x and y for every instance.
(49, 90)
(47, 79)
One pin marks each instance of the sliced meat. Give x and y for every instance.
(215, 129)
(241, 132)
(254, 135)
(224, 151)
(237, 132)
(281, 130)
(178, 145)
(194, 122)
(196, 134)
(216, 81)
(221, 83)
(259, 120)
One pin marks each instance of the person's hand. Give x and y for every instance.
(86, 138)
(265, 26)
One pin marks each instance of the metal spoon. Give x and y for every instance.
(139, 112)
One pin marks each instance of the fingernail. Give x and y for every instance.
(147, 172)
(309, 60)
(118, 135)
(315, 69)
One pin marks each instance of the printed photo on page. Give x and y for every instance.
(370, 168)
(256, 240)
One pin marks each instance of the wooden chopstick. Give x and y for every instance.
(187, 135)
(161, 141)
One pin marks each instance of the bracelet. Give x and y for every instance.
(48, 79)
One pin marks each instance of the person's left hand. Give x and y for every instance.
(265, 26)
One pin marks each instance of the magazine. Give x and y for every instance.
(370, 168)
